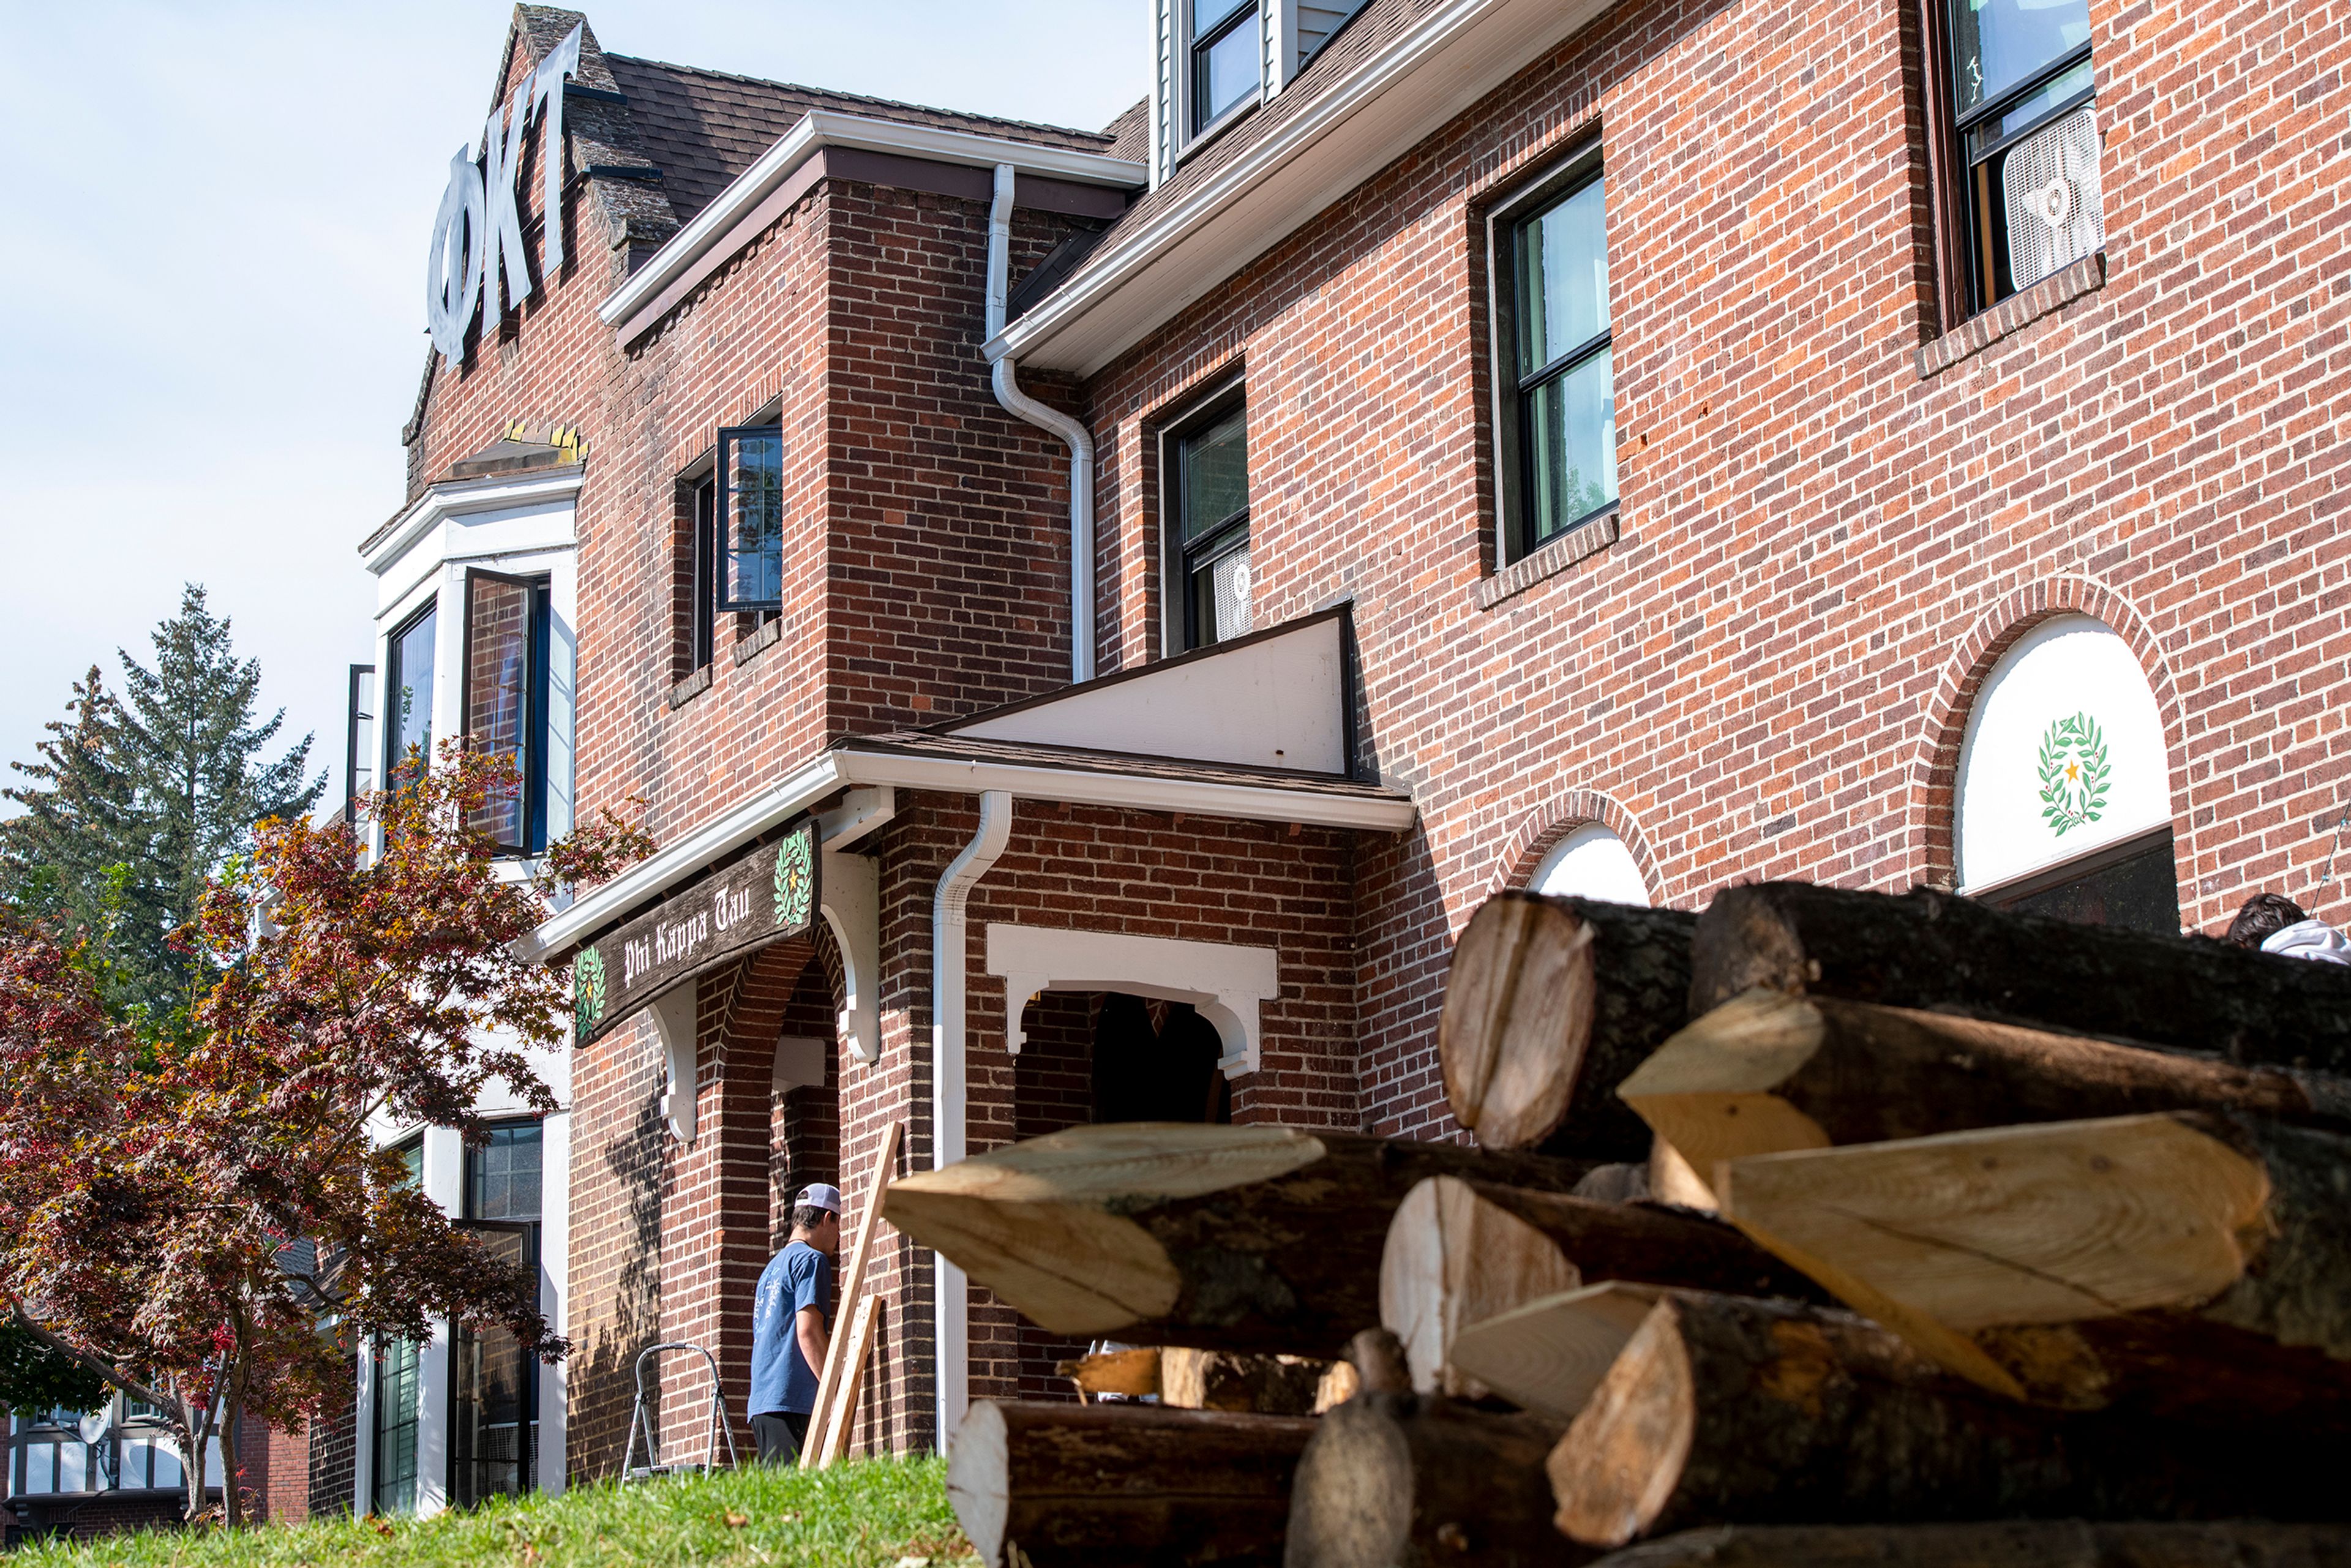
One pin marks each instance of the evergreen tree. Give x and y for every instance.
(139, 800)
(65, 859)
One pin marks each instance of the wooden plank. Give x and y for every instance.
(1134, 1372)
(844, 1409)
(853, 1278)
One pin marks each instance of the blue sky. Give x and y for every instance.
(213, 253)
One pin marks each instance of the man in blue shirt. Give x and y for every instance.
(789, 1318)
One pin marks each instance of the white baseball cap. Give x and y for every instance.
(818, 1194)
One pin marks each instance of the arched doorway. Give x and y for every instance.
(2062, 796)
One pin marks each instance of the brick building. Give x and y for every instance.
(1115, 602)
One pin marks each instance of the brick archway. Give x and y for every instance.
(1541, 831)
(1933, 788)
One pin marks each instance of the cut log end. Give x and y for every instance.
(1351, 1505)
(1550, 1354)
(1451, 1260)
(1516, 1019)
(977, 1488)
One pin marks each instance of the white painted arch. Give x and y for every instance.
(1592, 862)
(1225, 983)
(2065, 753)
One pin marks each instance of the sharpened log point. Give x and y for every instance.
(1617, 1469)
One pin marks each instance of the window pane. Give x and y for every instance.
(497, 693)
(360, 753)
(1572, 446)
(1562, 278)
(395, 1427)
(409, 724)
(1997, 43)
(751, 550)
(2059, 89)
(1222, 588)
(505, 1175)
(1206, 14)
(1216, 474)
(1224, 74)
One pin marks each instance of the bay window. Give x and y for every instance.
(506, 700)
(408, 694)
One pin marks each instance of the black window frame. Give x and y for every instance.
(354, 748)
(701, 610)
(1971, 249)
(1188, 559)
(1514, 393)
(725, 600)
(390, 739)
(538, 588)
(525, 1231)
(1198, 124)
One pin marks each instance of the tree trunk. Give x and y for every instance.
(2178, 1244)
(1259, 1238)
(2007, 1543)
(232, 1499)
(1461, 1251)
(1124, 1486)
(1928, 949)
(1722, 1410)
(1550, 1002)
(1402, 1481)
(1766, 1073)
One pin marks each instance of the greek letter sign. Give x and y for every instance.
(766, 896)
(480, 222)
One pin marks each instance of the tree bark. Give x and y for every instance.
(1722, 1410)
(1461, 1251)
(1549, 1003)
(1767, 1072)
(1396, 1481)
(1928, 949)
(1222, 1380)
(2007, 1543)
(1124, 1486)
(1257, 1239)
(2203, 1262)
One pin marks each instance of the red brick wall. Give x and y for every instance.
(1764, 674)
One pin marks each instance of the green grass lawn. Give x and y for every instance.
(866, 1512)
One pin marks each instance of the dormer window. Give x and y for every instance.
(1226, 56)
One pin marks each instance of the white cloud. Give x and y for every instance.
(213, 259)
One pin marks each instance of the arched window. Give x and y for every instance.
(1592, 862)
(2064, 797)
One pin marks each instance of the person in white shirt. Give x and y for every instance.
(2276, 924)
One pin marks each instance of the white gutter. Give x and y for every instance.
(1462, 66)
(825, 128)
(950, 962)
(834, 770)
(1005, 374)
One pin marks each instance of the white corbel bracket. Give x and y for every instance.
(850, 891)
(677, 1019)
(1226, 984)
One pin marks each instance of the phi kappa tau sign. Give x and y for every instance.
(766, 896)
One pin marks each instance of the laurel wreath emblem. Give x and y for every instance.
(587, 993)
(794, 881)
(2073, 772)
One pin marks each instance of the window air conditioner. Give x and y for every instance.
(2051, 183)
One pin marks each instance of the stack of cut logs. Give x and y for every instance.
(1826, 1227)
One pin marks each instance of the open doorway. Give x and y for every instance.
(1107, 1056)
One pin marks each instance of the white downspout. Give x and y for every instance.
(950, 957)
(1005, 374)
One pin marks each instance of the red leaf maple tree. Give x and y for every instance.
(207, 1221)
